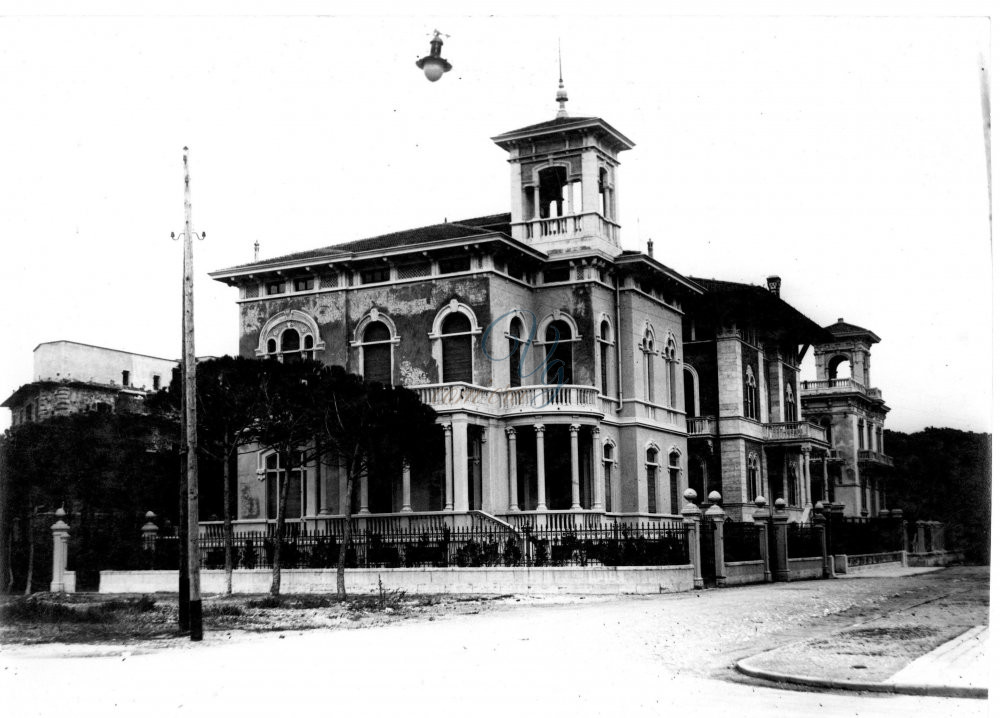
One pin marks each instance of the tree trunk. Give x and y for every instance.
(342, 558)
(227, 522)
(279, 526)
(31, 552)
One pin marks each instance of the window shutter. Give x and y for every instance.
(457, 359)
(378, 363)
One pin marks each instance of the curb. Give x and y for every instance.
(909, 689)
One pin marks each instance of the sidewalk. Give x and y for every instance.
(957, 668)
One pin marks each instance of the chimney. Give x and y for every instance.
(649, 247)
(774, 286)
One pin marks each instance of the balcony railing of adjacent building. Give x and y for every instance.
(784, 431)
(875, 457)
(839, 386)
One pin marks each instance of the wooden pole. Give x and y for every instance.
(190, 415)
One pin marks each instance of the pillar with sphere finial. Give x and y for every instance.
(692, 520)
(762, 517)
(717, 516)
(60, 555)
(779, 520)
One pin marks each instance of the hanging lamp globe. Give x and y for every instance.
(434, 65)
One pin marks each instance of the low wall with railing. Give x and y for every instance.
(802, 569)
(743, 572)
(870, 559)
(496, 580)
(935, 558)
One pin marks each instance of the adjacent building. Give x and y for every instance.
(72, 377)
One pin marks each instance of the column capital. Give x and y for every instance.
(574, 428)
(446, 428)
(806, 450)
(539, 428)
(596, 431)
(511, 432)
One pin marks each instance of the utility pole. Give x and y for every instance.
(189, 369)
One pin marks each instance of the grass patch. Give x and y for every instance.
(40, 608)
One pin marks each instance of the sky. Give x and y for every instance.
(846, 154)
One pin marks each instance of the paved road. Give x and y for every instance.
(609, 657)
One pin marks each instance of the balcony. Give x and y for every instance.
(540, 399)
(795, 431)
(703, 426)
(840, 386)
(874, 457)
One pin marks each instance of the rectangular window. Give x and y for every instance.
(372, 276)
(454, 264)
(651, 489)
(293, 506)
(303, 285)
(674, 487)
(560, 274)
(275, 287)
(156, 382)
(126, 378)
(412, 271)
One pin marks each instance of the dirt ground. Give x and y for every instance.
(914, 622)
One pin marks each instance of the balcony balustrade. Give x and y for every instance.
(795, 431)
(540, 399)
(703, 426)
(875, 458)
(840, 386)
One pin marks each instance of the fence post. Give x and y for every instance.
(692, 518)
(921, 546)
(780, 521)
(904, 547)
(760, 517)
(717, 516)
(60, 541)
(819, 520)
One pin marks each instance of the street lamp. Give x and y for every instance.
(434, 65)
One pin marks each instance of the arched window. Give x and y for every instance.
(674, 469)
(833, 367)
(671, 357)
(793, 481)
(515, 341)
(558, 348)
(376, 353)
(753, 477)
(456, 348)
(692, 400)
(552, 192)
(606, 346)
(609, 462)
(790, 411)
(28, 412)
(827, 429)
(290, 335)
(751, 408)
(649, 355)
(652, 467)
(291, 349)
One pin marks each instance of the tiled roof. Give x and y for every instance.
(842, 328)
(750, 302)
(553, 124)
(475, 226)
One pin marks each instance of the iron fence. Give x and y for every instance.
(610, 545)
(854, 535)
(741, 541)
(805, 541)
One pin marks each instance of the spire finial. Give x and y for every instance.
(562, 97)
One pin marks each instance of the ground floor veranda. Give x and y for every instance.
(566, 471)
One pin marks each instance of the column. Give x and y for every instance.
(538, 209)
(692, 522)
(598, 471)
(540, 461)
(363, 493)
(826, 479)
(324, 480)
(807, 476)
(449, 488)
(460, 455)
(406, 487)
(780, 522)
(574, 465)
(345, 500)
(512, 468)
(762, 517)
